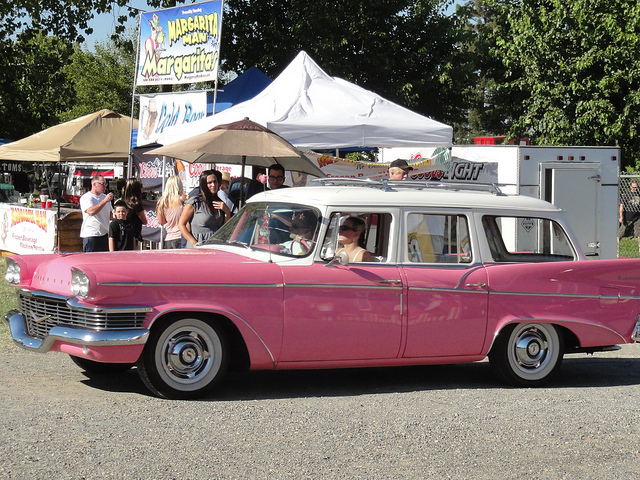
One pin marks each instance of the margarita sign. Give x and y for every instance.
(179, 45)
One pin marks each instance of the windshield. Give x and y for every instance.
(286, 229)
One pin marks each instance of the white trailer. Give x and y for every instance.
(582, 181)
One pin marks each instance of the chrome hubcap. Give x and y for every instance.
(187, 355)
(531, 349)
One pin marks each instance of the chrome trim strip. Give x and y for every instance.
(73, 335)
(540, 294)
(75, 303)
(526, 294)
(162, 284)
(346, 287)
(42, 293)
(447, 290)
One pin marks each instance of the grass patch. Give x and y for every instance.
(628, 248)
(8, 300)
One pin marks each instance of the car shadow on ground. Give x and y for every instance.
(575, 372)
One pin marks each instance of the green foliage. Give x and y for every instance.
(8, 301)
(404, 50)
(102, 79)
(494, 104)
(67, 20)
(34, 87)
(575, 64)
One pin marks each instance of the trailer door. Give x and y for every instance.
(576, 189)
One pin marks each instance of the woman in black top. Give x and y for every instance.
(132, 196)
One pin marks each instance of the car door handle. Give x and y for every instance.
(395, 282)
(476, 285)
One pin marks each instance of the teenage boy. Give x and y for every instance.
(121, 235)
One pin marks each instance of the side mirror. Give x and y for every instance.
(341, 257)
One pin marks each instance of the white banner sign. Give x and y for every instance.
(162, 115)
(27, 230)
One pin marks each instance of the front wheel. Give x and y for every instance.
(183, 359)
(527, 354)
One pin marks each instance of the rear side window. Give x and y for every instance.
(438, 238)
(526, 239)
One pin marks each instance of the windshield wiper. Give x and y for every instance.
(238, 243)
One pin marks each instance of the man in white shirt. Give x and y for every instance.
(96, 213)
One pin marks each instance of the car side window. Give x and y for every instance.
(364, 236)
(435, 238)
(526, 239)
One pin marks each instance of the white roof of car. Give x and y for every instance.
(404, 194)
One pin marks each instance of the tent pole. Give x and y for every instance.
(59, 200)
(244, 159)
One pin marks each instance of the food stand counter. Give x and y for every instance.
(26, 230)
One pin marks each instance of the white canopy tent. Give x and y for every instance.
(313, 110)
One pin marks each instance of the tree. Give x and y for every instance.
(578, 70)
(67, 19)
(34, 89)
(404, 50)
(494, 105)
(102, 79)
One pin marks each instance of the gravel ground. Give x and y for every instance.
(419, 422)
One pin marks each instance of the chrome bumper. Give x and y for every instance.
(636, 331)
(76, 336)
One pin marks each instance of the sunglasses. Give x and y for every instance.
(347, 228)
(273, 177)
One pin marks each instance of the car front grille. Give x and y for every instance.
(42, 313)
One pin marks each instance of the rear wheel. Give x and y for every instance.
(527, 354)
(98, 367)
(183, 358)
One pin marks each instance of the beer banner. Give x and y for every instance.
(440, 167)
(179, 45)
(150, 231)
(149, 168)
(162, 116)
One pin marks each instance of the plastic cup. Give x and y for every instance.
(49, 203)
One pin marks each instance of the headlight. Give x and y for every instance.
(79, 283)
(13, 272)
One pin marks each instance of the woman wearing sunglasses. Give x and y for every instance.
(351, 238)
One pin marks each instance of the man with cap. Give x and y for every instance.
(399, 170)
(226, 179)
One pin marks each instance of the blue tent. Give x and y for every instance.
(240, 89)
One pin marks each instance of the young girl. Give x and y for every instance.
(169, 209)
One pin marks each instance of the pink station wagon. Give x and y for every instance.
(454, 274)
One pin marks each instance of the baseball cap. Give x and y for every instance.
(400, 163)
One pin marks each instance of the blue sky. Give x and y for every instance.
(104, 25)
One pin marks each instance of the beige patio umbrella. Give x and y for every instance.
(244, 143)
(98, 137)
